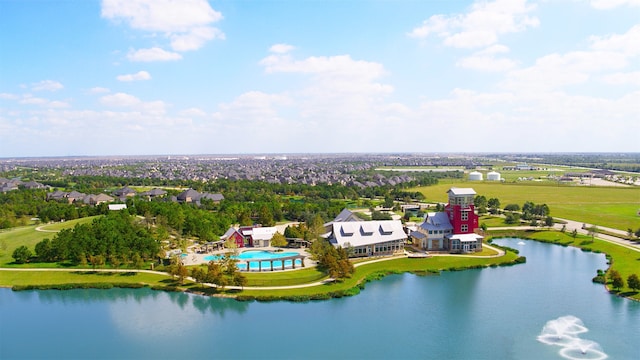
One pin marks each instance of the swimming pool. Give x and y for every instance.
(252, 256)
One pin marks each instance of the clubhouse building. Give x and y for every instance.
(366, 238)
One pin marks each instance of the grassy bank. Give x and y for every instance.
(624, 260)
(374, 271)
(34, 278)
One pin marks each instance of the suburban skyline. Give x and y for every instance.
(140, 77)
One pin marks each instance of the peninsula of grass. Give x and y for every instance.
(623, 259)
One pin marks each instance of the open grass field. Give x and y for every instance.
(29, 236)
(625, 261)
(604, 206)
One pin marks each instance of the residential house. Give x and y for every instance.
(124, 193)
(154, 193)
(97, 199)
(193, 196)
(74, 196)
(33, 185)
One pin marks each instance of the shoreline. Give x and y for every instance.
(274, 293)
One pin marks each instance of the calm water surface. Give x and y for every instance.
(494, 313)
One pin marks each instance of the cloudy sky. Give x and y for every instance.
(143, 77)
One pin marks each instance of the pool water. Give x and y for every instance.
(260, 255)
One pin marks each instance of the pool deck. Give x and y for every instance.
(194, 258)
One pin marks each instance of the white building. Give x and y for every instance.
(475, 176)
(261, 236)
(369, 238)
(493, 176)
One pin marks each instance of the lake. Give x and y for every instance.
(493, 313)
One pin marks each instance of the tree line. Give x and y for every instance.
(116, 238)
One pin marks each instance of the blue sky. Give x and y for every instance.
(139, 77)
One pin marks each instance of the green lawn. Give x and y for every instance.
(604, 206)
(494, 221)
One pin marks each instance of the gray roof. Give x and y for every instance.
(154, 192)
(461, 191)
(214, 197)
(190, 193)
(229, 233)
(436, 221)
(124, 191)
(346, 215)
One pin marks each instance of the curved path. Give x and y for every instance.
(40, 228)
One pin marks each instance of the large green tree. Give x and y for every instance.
(633, 281)
(21, 254)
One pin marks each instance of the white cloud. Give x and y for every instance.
(123, 100)
(537, 120)
(99, 90)
(8, 96)
(186, 23)
(254, 108)
(161, 15)
(555, 70)
(338, 92)
(621, 78)
(152, 54)
(627, 43)
(281, 48)
(28, 99)
(47, 85)
(486, 60)
(613, 52)
(481, 26)
(120, 100)
(193, 112)
(611, 4)
(333, 66)
(140, 75)
(195, 39)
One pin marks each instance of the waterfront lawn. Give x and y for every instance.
(626, 261)
(284, 278)
(20, 278)
(375, 270)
